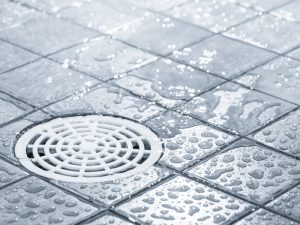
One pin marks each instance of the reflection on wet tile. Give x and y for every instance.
(195, 203)
(48, 82)
(113, 191)
(109, 220)
(33, 201)
(289, 11)
(157, 5)
(222, 56)
(46, 35)
(288, 204)
(103, 58)
(216, 15)
(269, 32)
(251, 171)
(106, 99)
(261, 5)
(167, 82)
(161, 35)
(264, 217)
(280, 77)
(186, 139)
(236, 108)
(9, 173)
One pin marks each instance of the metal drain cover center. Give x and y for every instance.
(91, 148)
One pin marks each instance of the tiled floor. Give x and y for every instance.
(217, 80)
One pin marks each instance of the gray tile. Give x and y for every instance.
(161, 35)
(9, 173)
(48, 82)
(183, 201)
(33, 201)
(216, 15)
(109, 220)
(186, 139)
(46, 35)
(289, 11)
(236, 108)
(289, 203)
(261, 5)
(279, 77)
(113, 191)
(157, 5)
(103, 58)
(222, 56)
(167, 82)
(106, 99)
(295, 54)
(251, 171)
(269, 32)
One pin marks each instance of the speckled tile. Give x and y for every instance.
(109, 220)
(167, 82)
(186, 139)
(251, 171)
(113, 191)
(157, 5)
(264, 217)
(48, 82)
(288, 204)
(289, 11)
(159, 34)
(269, 32)
(195, 203)
(283, 135)
(222, 56)
(215, 15)
(32, 201)
(236, 108)
(261, 5)
(103, 58)
(9, 173)
(106, 99)
(46, 35)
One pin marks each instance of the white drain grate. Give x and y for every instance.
(91, 148)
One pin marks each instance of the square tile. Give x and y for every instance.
(289, 203)
(251, 171)
(103, 58)
(9, 173)
(46, 35)
(236, 108)
(283, 135)
(183, 201)
(111, 192)
(106, 99)
(222, 56)
(167, 82)
(159, 34)
(13, 57)
(157, 5)
(289, 11)
(33, 201)
(108, 220)
(215, 15)
(261, 5)
(268, 32)
(280, 77)
(186, 139)
(48, 82)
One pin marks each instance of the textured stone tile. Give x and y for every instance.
(157, 5)
(106, 99)
(264, 217)
(109, 220)
(46, 35)
(9, 173)
(167, 82)
(33, 201)
(269, 32)
(161, 35)
(103, 58)
(261, 5)
(288, 204)
(222, 56)
(216, 15)
(295, 54)
(280, 77)
(289, 11)
(48, 82)
(251, 171)
(113, 191)
(236, 108)
(184, 201)
(186, 139)
(9, 133)
(12, 57)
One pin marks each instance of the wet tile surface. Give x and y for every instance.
(261, 5)
(109, 220)
(157, 5)
(254, 172)
(289, 11)
(9, 173)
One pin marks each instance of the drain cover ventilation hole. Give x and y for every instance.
(89, 148)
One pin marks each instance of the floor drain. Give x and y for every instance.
(91, 148)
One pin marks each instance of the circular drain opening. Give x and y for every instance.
(91, 148)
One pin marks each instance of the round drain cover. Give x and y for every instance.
(91, 148)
